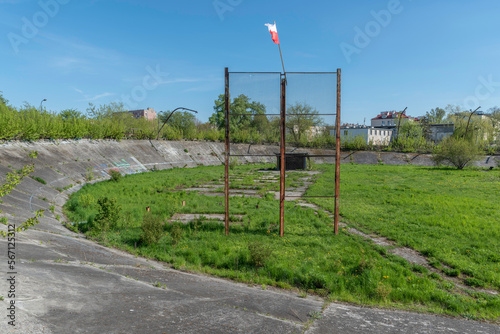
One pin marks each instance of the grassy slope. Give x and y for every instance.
(310, 257)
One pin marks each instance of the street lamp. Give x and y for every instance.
(41, 104)
(180, 108)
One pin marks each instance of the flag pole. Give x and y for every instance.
(281, 56)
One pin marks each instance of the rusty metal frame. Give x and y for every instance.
(283, 115)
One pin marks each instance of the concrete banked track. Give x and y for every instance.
(67, 284)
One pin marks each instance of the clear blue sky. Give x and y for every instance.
(424, 54)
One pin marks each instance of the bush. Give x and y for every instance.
(451, 272)
(152, 229)
(474, 282)
(107, 216)
(456, 152)
(259, 253)
(39, 179)
(115, 175)
(86, 200)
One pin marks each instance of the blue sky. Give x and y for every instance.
(419, 54)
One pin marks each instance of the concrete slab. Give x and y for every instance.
(342, 319)
(188, 217)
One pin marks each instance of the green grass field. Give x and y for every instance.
(450, 216)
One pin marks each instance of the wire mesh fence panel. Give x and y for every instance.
(254, 107)
(310, 109)
(296, 110)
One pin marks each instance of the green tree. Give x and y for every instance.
(3, 100)
(71, 114)
(12, 180)
(477, 128)
(245, 113)
(435, 116)
(411, 137)
(458, 152)
(300, 118)
(105, 110)
(107, 216)
(181, 120)
(152, 229)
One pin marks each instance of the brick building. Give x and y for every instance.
(148, 114)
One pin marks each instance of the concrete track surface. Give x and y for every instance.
(66, 284)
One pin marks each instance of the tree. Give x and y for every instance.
(410, 138)
(435, 116)
(470, 126)
(245, 113)
(300, 118)
(71, 114)
(458, 152)
(104, 110)
(152, 228)
(3, 100)
(495, 120)
(12, 180)
(108, 214)
(182, 120)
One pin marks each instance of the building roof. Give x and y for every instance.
(390, 115)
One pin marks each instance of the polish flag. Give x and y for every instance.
(274, 32)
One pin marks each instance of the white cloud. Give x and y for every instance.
(88, 98)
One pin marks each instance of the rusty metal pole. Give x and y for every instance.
(226, 172)
(282, 157)
(337, 156)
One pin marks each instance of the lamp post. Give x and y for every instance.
(41, 104)
(180, 108)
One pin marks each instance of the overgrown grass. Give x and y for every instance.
(403, 203)
(450, 216)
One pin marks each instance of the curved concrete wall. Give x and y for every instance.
(65, 164)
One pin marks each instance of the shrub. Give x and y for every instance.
(176, 234)
(115, 175)
(456, 152)
(451, 272)
(107, 216)
(86, 200)
(152, 229)
(259, 253)
(436, 276)
(39, 179)
(382, 291)
(474, 282)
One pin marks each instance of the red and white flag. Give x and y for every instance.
(274, 32)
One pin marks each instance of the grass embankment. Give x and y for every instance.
(416, 206)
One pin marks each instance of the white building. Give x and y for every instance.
(369, 135)
(389, 119)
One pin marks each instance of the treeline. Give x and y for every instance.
(104, 122)
(111, 121)
(249, 124)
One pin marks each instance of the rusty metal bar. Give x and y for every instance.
(282, 150)
(226, 172)
(337, 158)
